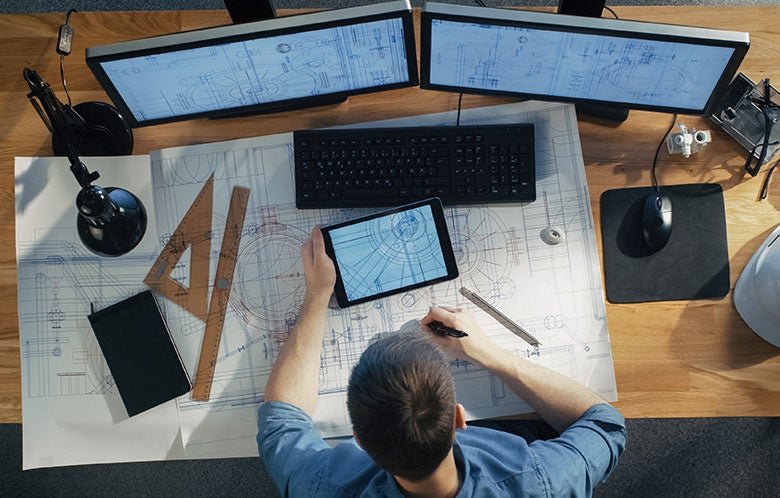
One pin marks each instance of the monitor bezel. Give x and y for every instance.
(205, 37)
(739, 41)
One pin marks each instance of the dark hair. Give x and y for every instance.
(401, 399)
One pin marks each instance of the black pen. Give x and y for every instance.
(442, 329)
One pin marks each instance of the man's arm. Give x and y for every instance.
(295, 374)
(558, 399)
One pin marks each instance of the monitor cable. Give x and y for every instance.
(460, 97)
(657, 151)
(460, 101)
(611, 12)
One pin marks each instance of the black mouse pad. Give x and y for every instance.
(694, 264)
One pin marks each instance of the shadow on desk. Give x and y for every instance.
(712, 457)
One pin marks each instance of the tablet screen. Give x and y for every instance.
(390, 252)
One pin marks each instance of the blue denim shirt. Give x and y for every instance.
(493, 463)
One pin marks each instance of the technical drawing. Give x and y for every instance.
(575, 65)
(261, 70)
(553, 291)
(388, 252)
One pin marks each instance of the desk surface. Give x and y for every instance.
(672, 359)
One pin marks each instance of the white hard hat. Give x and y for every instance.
(757, 292)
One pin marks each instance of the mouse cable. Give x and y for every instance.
(611, 12)
(655, 159)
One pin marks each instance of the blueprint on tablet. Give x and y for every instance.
(388, 253)
(553, 291)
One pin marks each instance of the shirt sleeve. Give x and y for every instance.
(585, 454)
(288, 443)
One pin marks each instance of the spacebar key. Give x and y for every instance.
(375, 194)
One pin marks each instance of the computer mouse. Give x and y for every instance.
(656, 220)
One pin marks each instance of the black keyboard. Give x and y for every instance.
(374, 167)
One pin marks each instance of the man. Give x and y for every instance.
(411, 437)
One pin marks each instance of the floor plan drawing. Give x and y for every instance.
(553, 291)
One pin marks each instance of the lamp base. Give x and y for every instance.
(106, 133)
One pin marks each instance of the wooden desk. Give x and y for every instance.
(672, 359)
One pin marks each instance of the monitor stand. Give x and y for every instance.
(242, 11)
(586, 8)
(592, 8)
(282, 107)
(611, 113)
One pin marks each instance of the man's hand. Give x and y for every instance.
(476, 347)
(317, 266)
(295, 375)
(557, 398)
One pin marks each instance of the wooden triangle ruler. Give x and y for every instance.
(193, 232)
(220, 295)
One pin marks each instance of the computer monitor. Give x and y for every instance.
(591, 61)
(265, 66)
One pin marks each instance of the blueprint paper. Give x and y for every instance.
(554, 292)
(71, 411)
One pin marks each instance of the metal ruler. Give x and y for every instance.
(500, 317)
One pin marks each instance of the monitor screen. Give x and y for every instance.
(535, 55)
(265, 66)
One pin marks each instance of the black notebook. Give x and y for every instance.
(140, 353)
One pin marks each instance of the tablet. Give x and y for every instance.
(390, 252)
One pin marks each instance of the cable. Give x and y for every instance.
(63, 48)
(460, 97)
(765, 185)
(655, 159)
(612, 12)
(460, 101)
(768, 109)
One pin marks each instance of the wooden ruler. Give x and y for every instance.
(220, 294)
(195, 232)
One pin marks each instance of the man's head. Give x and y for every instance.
(401, 399)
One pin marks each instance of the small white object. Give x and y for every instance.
(687, 143)
(553, 235)
(757, 291)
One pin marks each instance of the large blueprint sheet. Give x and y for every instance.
(554, 291)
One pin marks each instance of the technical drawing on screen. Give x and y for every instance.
(546, 56)
(266, 66)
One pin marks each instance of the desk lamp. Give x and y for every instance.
(111, 221)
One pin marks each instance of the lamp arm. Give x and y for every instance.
(61, 120)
